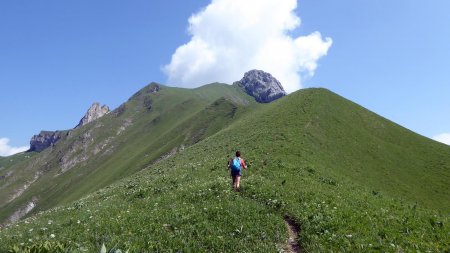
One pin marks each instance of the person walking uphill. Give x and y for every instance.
(235, 166)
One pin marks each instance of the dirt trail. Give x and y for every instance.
(292, 245)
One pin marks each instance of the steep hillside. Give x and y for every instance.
(7, 171)
(7, 165)
(347, 141)
(151, 125)
(352, 181)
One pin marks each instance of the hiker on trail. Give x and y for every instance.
(235, 166)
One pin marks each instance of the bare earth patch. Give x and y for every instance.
(292, 245)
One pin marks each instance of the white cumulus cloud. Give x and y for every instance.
(7, 150)
(230, 37)
(444, 138)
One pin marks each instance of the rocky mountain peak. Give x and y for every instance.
(47, 139)
(262, 86)
(95, 111)
(44, 140)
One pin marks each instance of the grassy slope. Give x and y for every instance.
(8, 167)
(7, 162)
(349, 177)
(344, 140)
(151, 134)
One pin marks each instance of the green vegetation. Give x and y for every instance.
(149, 125)
(9, 161)
(354, 181)
(8, 170)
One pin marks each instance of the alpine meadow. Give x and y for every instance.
(151, 176)
(225, 126)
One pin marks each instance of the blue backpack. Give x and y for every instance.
(236, 164)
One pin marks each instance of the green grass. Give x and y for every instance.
(7, 162)
(354, 181)
(8, 170)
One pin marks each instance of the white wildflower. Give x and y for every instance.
(52, 236)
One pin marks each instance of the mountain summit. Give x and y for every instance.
(95, 111)
(262, 86)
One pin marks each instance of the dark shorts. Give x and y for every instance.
(235, 173)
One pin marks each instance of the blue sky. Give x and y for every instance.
(58, 57)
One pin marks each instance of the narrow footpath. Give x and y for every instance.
(292, 245)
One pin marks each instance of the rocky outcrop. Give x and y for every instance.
(21, 212)
(154, 87)
(95, 111)
(44, 140)
(262, 86)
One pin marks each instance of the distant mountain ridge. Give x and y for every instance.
(256, 83)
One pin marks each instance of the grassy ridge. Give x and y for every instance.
(350, 142)
(334, 167)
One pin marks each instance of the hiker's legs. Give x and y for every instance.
(233, 181)
(238, 183)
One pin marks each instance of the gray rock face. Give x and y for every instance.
(154, 87)
(95, 111)
(262, 86)
(44, 140)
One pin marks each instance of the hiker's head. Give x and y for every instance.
(238, 153)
